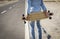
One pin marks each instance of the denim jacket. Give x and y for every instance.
(35, 6)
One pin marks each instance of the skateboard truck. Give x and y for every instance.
(24, 19)
(50, 14)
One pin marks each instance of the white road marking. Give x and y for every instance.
(13, 5)
(10, 7)
(6, 10)
(3, 11)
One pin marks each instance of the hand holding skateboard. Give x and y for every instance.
(37, 16)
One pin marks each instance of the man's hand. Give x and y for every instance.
(46, 13)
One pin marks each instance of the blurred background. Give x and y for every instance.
(12, 26)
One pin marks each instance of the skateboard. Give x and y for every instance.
(37, 16)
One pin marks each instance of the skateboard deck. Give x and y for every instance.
(37, 16)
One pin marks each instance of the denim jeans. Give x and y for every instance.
(39, 29)
(35, 6)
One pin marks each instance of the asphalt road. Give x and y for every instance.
(11, 25)
(6, 6)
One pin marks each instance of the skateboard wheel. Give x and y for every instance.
(23, 15)
(51, 14)
(48, 11)
(50, 17)
(23, 18)
(24, 22)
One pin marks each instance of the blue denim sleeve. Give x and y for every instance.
(43, 6)
(29, 5)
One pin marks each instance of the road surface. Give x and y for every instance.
(11, 25)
